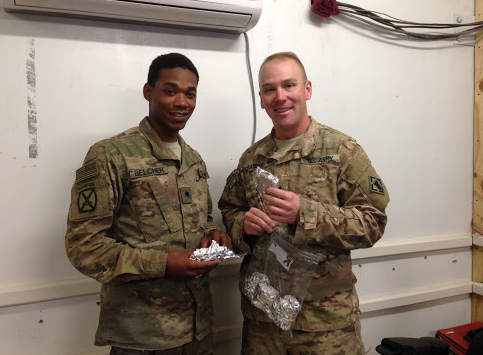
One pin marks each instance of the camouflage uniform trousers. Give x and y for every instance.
(260, 338)
(201, 347)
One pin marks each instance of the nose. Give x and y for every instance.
(180, 101)
(280, 94)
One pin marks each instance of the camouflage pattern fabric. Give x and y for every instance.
(261, 338)
(342, 207)
(132, 203)
(202, 347)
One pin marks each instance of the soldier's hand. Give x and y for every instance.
(217, 235)
(283, 206)
(256, 222)
(180, 265)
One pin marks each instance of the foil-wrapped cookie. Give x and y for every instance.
(213, 252)
(282, 310)
(265, 298)
(265, 180)
(252, 282)
(285, 311)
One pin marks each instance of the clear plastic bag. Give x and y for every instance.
(278, 277)
(279, 273)
(265, 180)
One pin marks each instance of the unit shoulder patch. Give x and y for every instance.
(375, 185)
(87, 200)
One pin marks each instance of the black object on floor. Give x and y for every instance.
(413, 346)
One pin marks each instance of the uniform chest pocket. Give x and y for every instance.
(153, 210)
(318, 182)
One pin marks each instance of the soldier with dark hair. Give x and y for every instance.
(170, 61)
(330, 199)
(140, 206)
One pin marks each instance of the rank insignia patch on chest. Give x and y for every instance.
(186, 196)
(87, 201)
(375, 185)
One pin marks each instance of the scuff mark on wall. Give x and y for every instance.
(32, 109)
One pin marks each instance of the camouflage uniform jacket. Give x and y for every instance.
(132, 203)
(342, 203)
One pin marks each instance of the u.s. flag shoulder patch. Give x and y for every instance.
(87, 171)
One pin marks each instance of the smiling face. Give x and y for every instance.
(172, 100)
(284, 91)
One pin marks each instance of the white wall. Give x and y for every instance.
(409, 104)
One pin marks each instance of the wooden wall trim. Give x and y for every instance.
(477, 300)
(478, 124)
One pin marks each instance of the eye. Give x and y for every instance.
(169, 92)
(190, 95)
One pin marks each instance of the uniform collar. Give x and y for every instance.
(161, 152)
(308, 142)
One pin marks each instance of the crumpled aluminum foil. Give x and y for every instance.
(265, 299)
(286, 310)
(252, 282)
(214, 252)
(282, 310)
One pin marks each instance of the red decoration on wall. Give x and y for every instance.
(325, 8)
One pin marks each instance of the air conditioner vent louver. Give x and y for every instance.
(223, 15)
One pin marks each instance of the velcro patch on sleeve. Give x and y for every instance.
(86, 172)
(375, 185)
(88, 200)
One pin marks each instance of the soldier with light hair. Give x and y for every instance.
(140, 206)
(329, 199)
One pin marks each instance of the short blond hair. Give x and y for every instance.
(283, 56)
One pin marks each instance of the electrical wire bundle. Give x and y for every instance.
(326, 8)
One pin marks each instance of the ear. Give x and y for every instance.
(147, 91)
(261, 101)
(308, 90)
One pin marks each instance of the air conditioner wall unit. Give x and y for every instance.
(222, 15)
